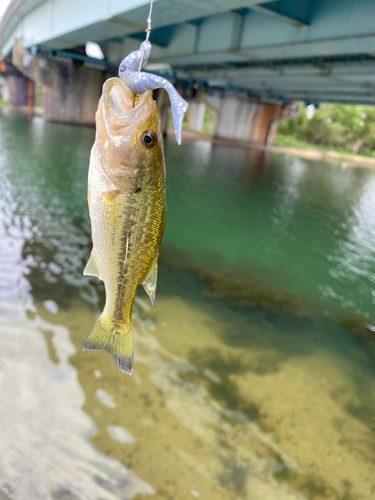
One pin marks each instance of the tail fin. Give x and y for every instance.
(116, 339)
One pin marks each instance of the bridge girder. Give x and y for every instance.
(278, 49)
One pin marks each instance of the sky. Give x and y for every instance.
(3, 5)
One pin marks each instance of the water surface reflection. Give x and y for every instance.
(45, 447)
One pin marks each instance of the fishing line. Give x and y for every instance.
(148, 31)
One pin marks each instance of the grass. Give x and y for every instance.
(291, 142)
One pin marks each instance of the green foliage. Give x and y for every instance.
(38, 98)
(351, 128)
(209, 121)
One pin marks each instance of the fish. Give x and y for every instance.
(127, 206)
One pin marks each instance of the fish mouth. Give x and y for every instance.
(120, 119)
(121, 109)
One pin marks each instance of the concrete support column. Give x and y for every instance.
(264, 121)
(20, 91)
(71, 89)
(235, 118)
(240, 118)
(196, 115)
(287, 112)
(4, 88)
(72, 94)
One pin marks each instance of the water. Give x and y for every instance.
(254, 373)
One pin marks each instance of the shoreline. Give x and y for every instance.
(307, 153)
(316, 154)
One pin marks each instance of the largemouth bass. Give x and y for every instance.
(126, 195)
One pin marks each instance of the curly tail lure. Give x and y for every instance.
(138, 82)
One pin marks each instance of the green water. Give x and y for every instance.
(254, 373)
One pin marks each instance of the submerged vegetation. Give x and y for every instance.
(249, 291)
(215, 372)
(236, 287)
(346, 128)
(362, 329)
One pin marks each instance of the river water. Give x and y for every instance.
(254, 373)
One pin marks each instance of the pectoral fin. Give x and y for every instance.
(149, 283)
(92, 268)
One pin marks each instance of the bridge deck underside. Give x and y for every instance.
(314, 50)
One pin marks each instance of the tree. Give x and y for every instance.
(334, 125)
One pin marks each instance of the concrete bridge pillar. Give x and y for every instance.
(235, 118)
(72, 94)
(196, 115)
(4, 88)
(71, 89)
(19, 90)
(263, 127)
(240, 118)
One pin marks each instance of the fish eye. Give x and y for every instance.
(148, 139)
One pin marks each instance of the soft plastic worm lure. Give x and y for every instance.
(139, 82)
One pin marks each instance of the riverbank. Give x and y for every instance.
(309, 153)
(317, 154)
(290, 145)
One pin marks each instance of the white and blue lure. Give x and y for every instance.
(139, 82)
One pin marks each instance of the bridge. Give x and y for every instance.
(247, 57)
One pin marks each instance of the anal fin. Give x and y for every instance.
(149, 283)
(92, 268)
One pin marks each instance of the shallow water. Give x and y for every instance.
(254, 373)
